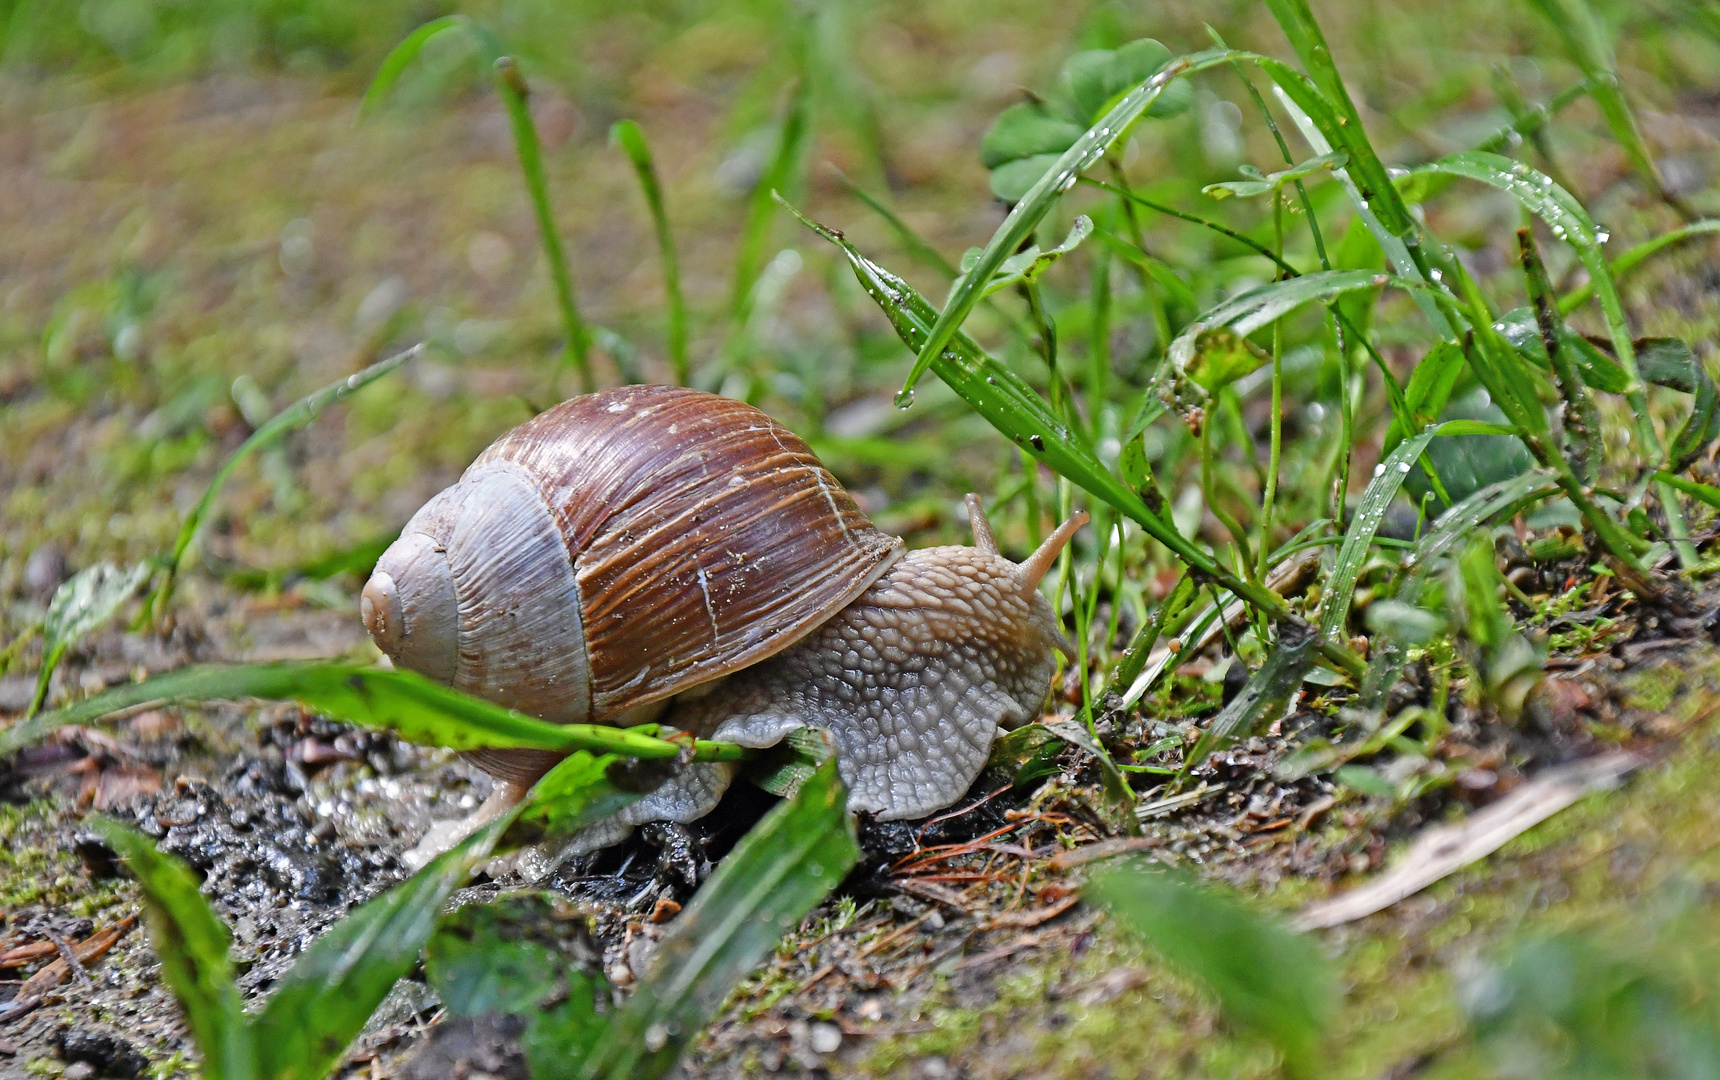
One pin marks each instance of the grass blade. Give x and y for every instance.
(296, 415)
(1581, 427)
(82, 604)
(1345, 127)
(1270, 982)
(323, 1002)
(1637, 256)
(577, 792)
(784, 167)
(1037, 202)
(628, 135)
(512, 87)
(1503, 499)
(1281, 674)
(1389, 475)
(401, 56)
(782, 868)
(1585, 42)
(1011, 406)
(1571, 223)
(191, 942)
(399, 701)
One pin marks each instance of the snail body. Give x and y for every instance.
(661, 554)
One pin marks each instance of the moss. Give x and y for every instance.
(36, 870)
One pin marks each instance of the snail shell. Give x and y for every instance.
(616, 550)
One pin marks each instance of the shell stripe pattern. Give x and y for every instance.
(704, 536)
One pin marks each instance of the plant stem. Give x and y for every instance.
(512, 87)
(631, 139)
(1270, 495)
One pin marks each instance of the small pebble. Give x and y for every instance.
(825, 1038)
(44, 570)
(79, 1070)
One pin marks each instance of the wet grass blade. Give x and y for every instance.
(1344, 128)
(1637, 256)
(1571, 223)
(297, 415)
(1016, 410)
(1011, 406)
(399, 701)
(1277, 678)
(1502, 499)
(1037, 202)
(1581, 428)
(1249, 311)
(82, 604)
(191, 942)
(777, 873)
(1270, 982)
(580, 789)
(323, 1002)
(1388, 476)
(1568, 220)
(631, 139)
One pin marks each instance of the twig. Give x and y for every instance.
(1445, 849)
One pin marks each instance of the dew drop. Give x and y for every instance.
(1403, 466)
(1379, 469)
(905, 397)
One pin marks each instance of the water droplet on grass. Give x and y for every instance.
(905, 397)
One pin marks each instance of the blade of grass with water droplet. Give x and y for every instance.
(1037, 202)
(297, 415)
(1570, 222)
(631, 139)
(1370, 513)
(777, 873)
(1637, 256)
(400, 701)
(191, 942)
(1011, 406)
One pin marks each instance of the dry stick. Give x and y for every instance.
(1445, 849)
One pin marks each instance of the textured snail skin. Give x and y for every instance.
(912, 680)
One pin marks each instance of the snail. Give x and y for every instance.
(658, 554)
